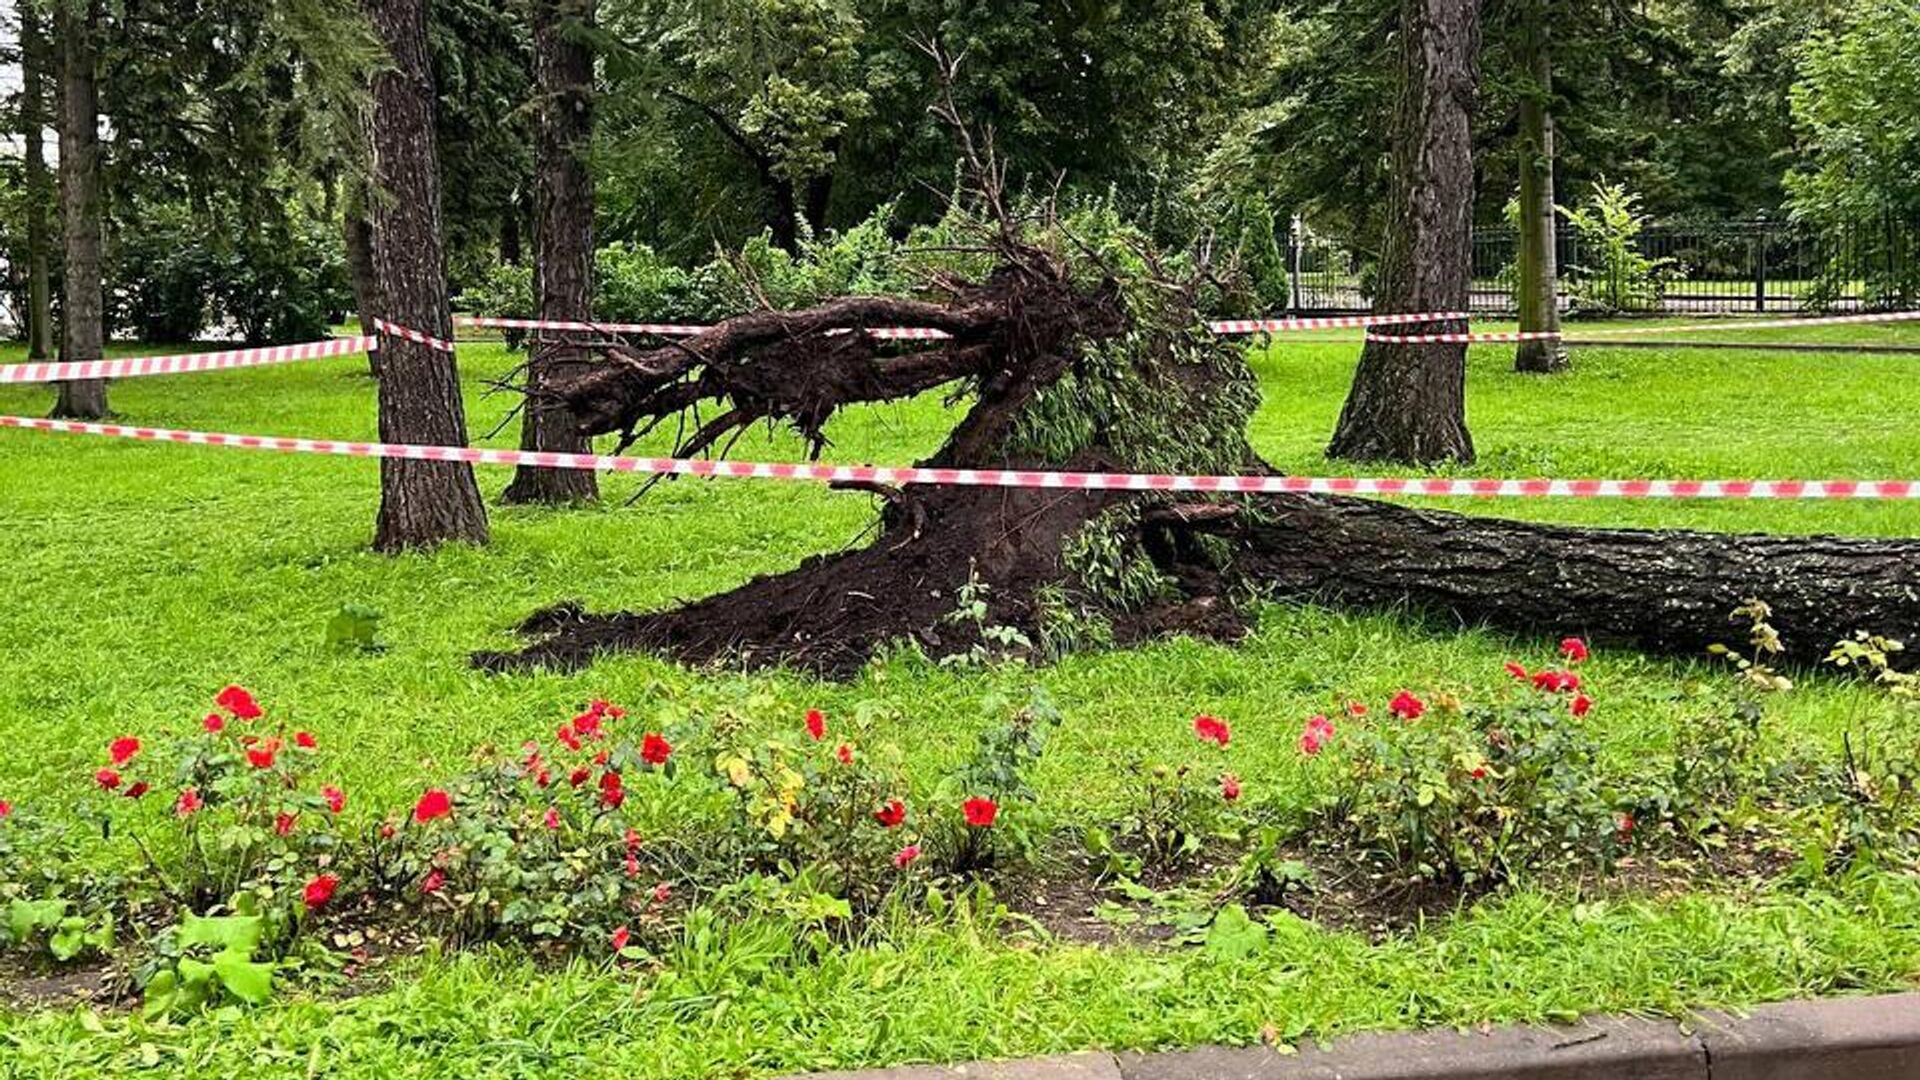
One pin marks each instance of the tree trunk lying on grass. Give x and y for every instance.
(1071, 367)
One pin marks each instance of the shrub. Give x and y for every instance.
(1180, 806)
(980, 832)
(1618, 276)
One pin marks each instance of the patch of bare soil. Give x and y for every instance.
(99, 983)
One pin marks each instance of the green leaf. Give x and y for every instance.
(1234, 935)
(26, 916)
(227, 933)
(355, 627)
(245, 979)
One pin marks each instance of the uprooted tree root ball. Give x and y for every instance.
(1073, 363)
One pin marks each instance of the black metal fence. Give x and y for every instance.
(1721, 267)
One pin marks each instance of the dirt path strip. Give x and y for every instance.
(904, 475)
(1869, 1038)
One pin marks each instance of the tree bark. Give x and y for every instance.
(1538, 287)
(1408, 402)
(1668, 591)
(33, 122)
(421, 502)
(83, 315)
(357, 235)
(563, 236)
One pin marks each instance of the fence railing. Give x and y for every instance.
(1721, 267)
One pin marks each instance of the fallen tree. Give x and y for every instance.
(1069, 363)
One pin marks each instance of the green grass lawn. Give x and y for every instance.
(140, 578)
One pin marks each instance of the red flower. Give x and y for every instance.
(1320, 724)
(662, 893)
(1407, 707)
(579, 776)
(632, 865)
(283, 824)
(587, 726)
(188, 802)
(654, 750)
(107, 779)
(1517, 671)
(436, 880)
(1311, 741)
(620, 938)
(1210, 729)
(1625, 826)
(611, 792)
(1479, 772)
(238, 703)
(980, 812)
(121, 750)
(605, 708)
(387, 830)
(553, 819)
(892, 814)
(1582, 705)
(262, 753)
(1553, 682)
(1229, 787)
(1574, 649)
(1356, 708)
(214, 722)
(320, 890)
(336, 799)
(543, 778)
(906, 856)
(304, 740)
(603, 757)
(434, 804)
(631, 840)
(6, 809)
(844, 753)
(567, 735)
(138, 790)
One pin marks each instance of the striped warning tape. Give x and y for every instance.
(396, 330)
(1012, 478)
(1631, 331)
(132, 366)
(1220, 326)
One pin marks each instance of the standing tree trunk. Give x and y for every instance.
(563, 233)
(357, 230)
(33, 122)
(1538, 287)
(1408, 402)
(83, 326)
(421, 502)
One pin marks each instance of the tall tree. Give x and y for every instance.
(77, 25)
(356, 226)
(1538, 290)
(1408, 402)
(563, 234)
(33, 123)
(421, 502)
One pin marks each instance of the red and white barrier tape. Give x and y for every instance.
(1222, 326)
(1462, 338)
(1334, 485)
(133, 366)
(396, 330)
(1633, 331)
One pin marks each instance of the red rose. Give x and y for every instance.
(587, 725)
(906, 856)
(1311, 741)
(611, 791)
(631, 840)
(434, 804)
(632, 865)
(844, 753)
(283, 824)
(816, 724)
(892, 814)
(387, 831)
(1582, 705)
(1555, 681)
(553, 818)
(336, 799)
(662, 893)
(262, 754)
(238, 703)
(138, 790)
(1479, 772)
(6, 809)
(620, 938)
(1625, 825)
(603, 757)
(121, 750)
(1574, 649)
(1229, 787)
(1517, 671)
(579, 776)
(1407, 707)
(543, 778)
(304, 740)
(320, 890)
(107, 779)
(1320, 724)
(1356, 708)
(1210, 729)
(436, 880)
(188, 802)
(980, 812)
(214, 722)
(568, 736)
(654, 750)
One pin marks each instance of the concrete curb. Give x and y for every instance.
(1873, 1038)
